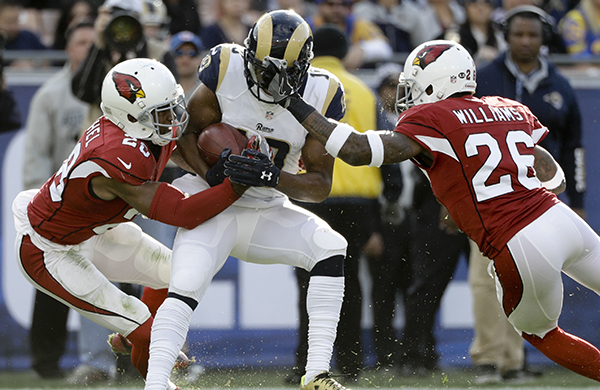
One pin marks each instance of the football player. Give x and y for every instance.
(484, 165)
(263, 226)
(74, 234)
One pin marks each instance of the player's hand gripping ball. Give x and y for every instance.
(218, 136)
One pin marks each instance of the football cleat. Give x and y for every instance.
(182, 361)
(323, 381)
(172, 386)
(119, 344)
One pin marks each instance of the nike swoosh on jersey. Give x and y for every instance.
(127, 166)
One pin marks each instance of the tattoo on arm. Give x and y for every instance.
(357, 151)
(545, 166)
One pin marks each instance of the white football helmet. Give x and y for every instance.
(135, 92)
(433, 71)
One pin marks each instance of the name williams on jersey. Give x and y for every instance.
(486, 114)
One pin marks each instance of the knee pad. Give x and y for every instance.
(333, 266)
(330, 240)
(127, 233)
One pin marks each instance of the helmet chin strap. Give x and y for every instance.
(158, 140)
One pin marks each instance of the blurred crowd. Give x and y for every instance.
(378, 30)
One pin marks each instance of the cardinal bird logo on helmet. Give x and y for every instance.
(128, 86)
(429, 54)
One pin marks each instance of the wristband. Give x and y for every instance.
(299, 108)
(556, 181)
(376, 145)
(338, 138)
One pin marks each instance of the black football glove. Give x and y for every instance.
(252, 168)
(216, 174)
(275, 80)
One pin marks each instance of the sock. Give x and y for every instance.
(569, 351)
(154, 298)
(169, 332)
(323, 303)
(140, 338)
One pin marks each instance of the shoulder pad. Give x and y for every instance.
(214, 65)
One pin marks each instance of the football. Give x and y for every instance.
(218, 136)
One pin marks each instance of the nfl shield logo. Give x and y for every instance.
(269, 114)
(453, 79)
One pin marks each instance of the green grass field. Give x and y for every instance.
(553, 378)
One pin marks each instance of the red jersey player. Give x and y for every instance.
(484, 165)
(75, 234)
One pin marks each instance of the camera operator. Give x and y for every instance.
(119, 36)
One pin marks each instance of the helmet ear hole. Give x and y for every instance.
(131, 118)
(429, 90)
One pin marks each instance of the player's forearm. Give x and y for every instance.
(355, 150)
(172, 207)
(186, 147)
(548, 171)
(178, 159)
(311, 187)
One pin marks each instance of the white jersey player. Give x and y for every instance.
(263, 226)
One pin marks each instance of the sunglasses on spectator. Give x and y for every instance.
(189, 53)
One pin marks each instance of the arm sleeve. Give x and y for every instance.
(171, 206)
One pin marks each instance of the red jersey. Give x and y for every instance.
(482, 168)
(65, 212)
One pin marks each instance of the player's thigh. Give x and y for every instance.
(539, 252)
(585, 267)
(70, 277)
(126, 254)
(287, 234)
(198, 254)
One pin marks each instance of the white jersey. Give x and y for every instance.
(222, 70)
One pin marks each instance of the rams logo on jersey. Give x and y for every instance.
(429, 54)
(128, 86)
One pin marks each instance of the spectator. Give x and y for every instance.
(522, 73)
(553, 44)
(186, 48)
(447, 16)
(367, 42)
(73, 11)
(17, 38)
(351, 209)
(580, 29)
(230, 26)
(434, 254)
(400, 20)
(478, 34)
